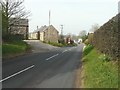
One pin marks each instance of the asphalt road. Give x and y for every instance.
(38, 46)
(52, 69)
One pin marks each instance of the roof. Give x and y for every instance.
(44, 28)
(53, 27)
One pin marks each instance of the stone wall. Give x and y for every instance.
(106, 38)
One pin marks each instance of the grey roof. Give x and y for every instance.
(42, 28)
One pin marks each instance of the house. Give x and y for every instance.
(49, 34)
(45, 33)
(19, 27)
(33, 35)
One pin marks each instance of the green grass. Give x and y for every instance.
(55, 44)
(14, 47)
(87, 49)
(60, 44)
(99, 73)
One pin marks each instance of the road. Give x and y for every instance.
(52, 69)
(38, 46)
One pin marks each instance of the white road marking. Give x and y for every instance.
(70, 49)
(64, 51)
(17, 73)
(52, 56)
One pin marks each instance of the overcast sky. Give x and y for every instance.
(75, 15)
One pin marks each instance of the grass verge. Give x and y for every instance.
(60, 44)
(14, 48)
(99, 73)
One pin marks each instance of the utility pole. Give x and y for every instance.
(49, 17)
(37, 27)
(61, 31)
(38, 33)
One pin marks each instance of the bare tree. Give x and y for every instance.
(82, 33)
(74, 37)
(13, 9)
(94, 27)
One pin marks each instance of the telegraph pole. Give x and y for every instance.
(61, 31)
(49, 17)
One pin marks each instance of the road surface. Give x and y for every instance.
(53, 69)
(38, 46)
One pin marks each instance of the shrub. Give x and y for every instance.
(10, 37)
(61, 41)
(56, 44)
(43, 41)
(87, 49)
(84, 38)
(74, 44)
(86, 42)
(60, 44)
(70, 45)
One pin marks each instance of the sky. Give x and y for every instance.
(74, 15)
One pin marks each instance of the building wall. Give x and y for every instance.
(42, 36)
(33, 35)
(19, 27)
(51, 34)
(22, 30)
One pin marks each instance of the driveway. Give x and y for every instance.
(38, 46)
